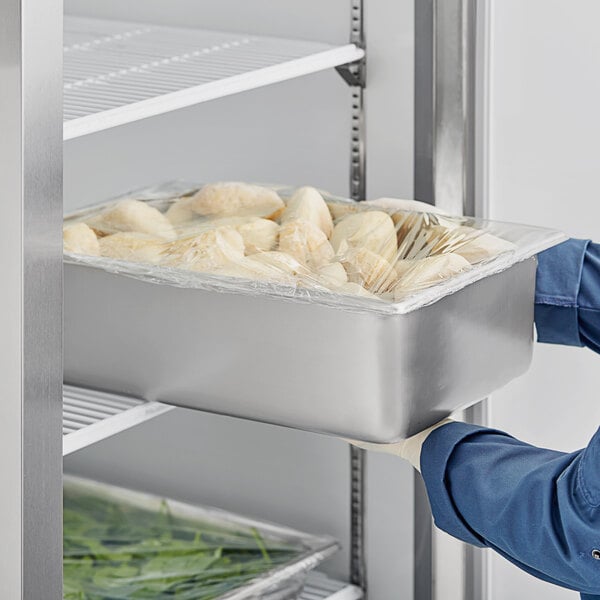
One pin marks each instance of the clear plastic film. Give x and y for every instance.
(388, 256)
(120, 544)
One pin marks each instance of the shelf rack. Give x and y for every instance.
(320, 587)
(117, 73)
(90, 416)
(114, 73)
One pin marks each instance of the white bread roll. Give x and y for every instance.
(236, 199)
(133, 215)
(78, 238)
(332, 275)
(307, 204)
(206, 251)
(370, 270)
(415, 275)
(373, 230)
(306, 243)
(133, 246)
(180, 212)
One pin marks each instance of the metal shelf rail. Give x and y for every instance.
(321, 587)
(90, 416)
(117, 73)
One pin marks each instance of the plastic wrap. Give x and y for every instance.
(386, 256)
(120, 545)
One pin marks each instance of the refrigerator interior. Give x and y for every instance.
(295, 132)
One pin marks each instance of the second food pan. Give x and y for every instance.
(311, 359)
(121, 544)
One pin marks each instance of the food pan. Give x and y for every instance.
(356, 367)
(120, 544)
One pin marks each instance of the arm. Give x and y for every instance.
(567, 299)
(538, 508)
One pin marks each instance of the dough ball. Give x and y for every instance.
(332, 275)
(78, 238)
(339, 210)
(236, 199)
(133, 215)
(307, 204)
(259, 235)
(482, 246)
(180, 212)
(370, 270)
(306, 243)
(373, 230)
(247, 268)
(414, 275)
(206, 251)
(281, 262)
(133, 246)
(354, 289)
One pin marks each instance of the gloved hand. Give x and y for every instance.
(409, 449)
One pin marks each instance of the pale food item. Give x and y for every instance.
(373, 230)
(236, 199)
(133, 246)
(133, 215)
(354, 289)
(307, 204)
(79, 238)
(281, 261)
(370, 270)
(398, 204)
(180, 212)
(339, 210)
(259, 235)
(247, 268)
(332, 275)
(306, 243)
(482, 246)
(207, 251)
(414, 275)
(229, 229)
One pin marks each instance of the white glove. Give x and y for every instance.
(409, 449)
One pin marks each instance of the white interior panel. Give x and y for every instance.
(544, 164)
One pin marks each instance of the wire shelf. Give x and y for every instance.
(90, 416)
(322, 587)
(117, 73)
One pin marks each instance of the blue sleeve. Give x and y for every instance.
(538, 508)
(567, 298)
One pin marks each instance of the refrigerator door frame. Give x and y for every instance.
(31, 319)
(450, 69)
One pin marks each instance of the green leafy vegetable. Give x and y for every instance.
(117, 551)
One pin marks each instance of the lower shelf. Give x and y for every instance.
(90, 416)
(320, 587)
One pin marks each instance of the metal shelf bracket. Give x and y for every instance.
(354, 73)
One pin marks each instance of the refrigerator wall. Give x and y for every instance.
(543, 165)
(297, 132)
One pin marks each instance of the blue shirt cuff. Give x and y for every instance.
(557, 291)
(435, 455)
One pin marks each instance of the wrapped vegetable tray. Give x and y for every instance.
(125, 545)
(365, 320)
